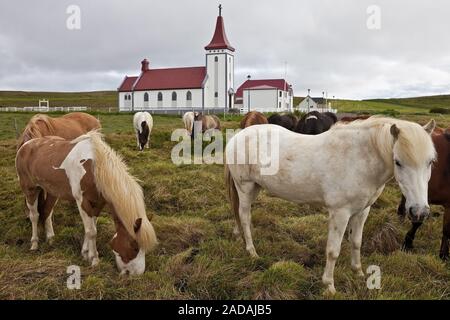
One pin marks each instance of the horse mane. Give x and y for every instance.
(34, 130)
(120, 189)
(414, 143)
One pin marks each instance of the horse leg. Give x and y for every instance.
(336, 228)
(444, 252)
(137, 140)
(89, 249)
(356, 226)
(247, 193)
(409, 238)
(47, 216)
(401, 211)
(32, 199)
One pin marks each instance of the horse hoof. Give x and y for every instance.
(50, 241)
(34, 246)
(444, 256)
(406, 247)
(95, 262)
(85, 255)
(330, 291)
(359, 273)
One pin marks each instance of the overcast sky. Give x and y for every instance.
(326, 43)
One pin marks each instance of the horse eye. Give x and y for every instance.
(398, 164)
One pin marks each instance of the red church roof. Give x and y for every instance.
(280, 84)
(219, 40)
(127, 84)
(173, 78)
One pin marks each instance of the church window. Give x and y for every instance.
(280, 94)
(188, 96)
(160, 96)
(146, 97)
(216, 59)
(126, 97)
(174, 96)
(216, 94)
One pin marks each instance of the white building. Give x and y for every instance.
(209, 88)
(309, 104)
(267, 95)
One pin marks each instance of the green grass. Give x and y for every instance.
(198, 258)
(97, 100)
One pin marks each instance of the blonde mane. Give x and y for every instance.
(120, 189)
(34, 130)
(414, 144)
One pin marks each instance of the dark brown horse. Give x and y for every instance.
(69, 126)
(315, 122)
(438, 192)
(252, 118)
(351, 119)
(288, 121)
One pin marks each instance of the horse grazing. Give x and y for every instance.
(288, 121)
(86, 170)
(252, 118)
(69, 126)
(207, 122)
(315, 122)
(438, 192)
(365, 156)
(188, 120)
(143, 124)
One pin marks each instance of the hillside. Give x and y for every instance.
(108, 99)
(94, 100)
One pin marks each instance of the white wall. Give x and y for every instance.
(167, 99)
(124, 104)
(267, 100)
(220, 77)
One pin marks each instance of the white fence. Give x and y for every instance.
(42, 109)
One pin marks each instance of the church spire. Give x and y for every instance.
(219, 40)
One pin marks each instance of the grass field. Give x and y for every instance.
(198, 258)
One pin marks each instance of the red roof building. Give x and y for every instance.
(280, 84)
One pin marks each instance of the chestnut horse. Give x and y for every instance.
(252, 118)
(69, 126)
(86, 171)
(438, 192)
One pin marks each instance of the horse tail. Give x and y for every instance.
(41, 205)
(121, 190)
(233, 196)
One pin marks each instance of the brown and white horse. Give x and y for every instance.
(87, 171)
(69, 126)
(143, 125)
(252, 118)
(438, 191)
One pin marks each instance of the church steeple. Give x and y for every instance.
(219, 40)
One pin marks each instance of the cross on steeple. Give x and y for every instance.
(220, 10)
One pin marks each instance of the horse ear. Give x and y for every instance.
(395, 131)
(137, 225)
(429, 127)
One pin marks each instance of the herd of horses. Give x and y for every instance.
(343, 165)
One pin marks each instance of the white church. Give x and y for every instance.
(207, 88)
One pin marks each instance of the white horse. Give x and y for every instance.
(345, 168)
(143, 124)
(188, 120)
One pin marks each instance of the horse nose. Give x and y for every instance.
(418, 214)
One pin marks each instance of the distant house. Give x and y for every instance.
(265, 95)
(309, 104)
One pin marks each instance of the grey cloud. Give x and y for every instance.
(325, 43)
